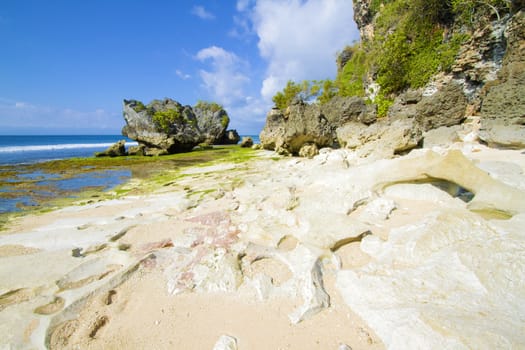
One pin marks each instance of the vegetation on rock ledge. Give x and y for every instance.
(413, 40)
(165, 119)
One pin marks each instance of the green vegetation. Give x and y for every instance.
(470, 11)
(412, 42)
(210, 106)
(139, 107)
(305, 91)
(165, 119)
(349, 81)
(225, 120)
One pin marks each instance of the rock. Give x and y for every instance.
(442, 136)
(289, 130)
(490, 195)
(397, 296)
(139, 150)
(378, 210)
(116, 150)
(247, 142)
(382, 139)
(308, 151)
(503, 133)
(340, 110)
(176, 133)
(212, 121)
(303, 123)
(444, 108)
(503, 107)
(226, 342)
(231, 137)
(405, 105)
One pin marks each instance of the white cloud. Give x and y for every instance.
(300, 39)
(226, 79)
(202, 13)
(182, 75)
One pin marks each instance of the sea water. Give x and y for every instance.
(33, 149)
(17, 151)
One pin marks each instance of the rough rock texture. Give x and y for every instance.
(308, 150)
(382, 139)
(444, 108)
(503, 108)
(116, 150)
(246, 142)
(181, 135)
(231, 137)
(289, 130)
(212, 124)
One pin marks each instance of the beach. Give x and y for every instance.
(278, 253)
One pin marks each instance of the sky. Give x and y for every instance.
(67, 65)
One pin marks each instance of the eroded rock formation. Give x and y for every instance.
(165, 126)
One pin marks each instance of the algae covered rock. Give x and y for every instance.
(163, 126)
(247, 142)
(116, 150)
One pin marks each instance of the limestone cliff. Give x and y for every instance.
(420, 66)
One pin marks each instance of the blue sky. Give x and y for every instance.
(66, 65)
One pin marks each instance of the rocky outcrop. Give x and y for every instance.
(444, 108)
(212, 123)
(165, 127)
(289, 130)
(302, 123)
(246, 142)
(162, 126)
(231, 137)
(116, 150)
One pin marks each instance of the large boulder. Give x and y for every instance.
(383, 139)
(446, 107)
(231, 137)
(246, 142)
(212, 121)
(301, 123)
(163, 126)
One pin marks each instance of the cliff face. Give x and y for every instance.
(488, 69)
(422, 65)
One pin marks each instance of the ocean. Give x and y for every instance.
(25, 185)
(34, 149)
